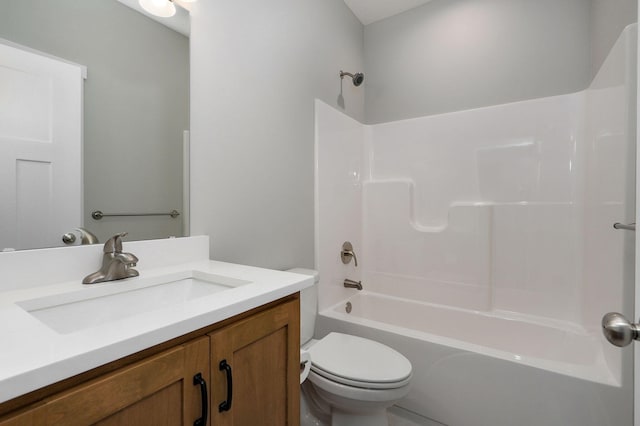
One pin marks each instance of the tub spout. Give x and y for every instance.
(353, 284)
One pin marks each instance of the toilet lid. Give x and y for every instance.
(356, 361)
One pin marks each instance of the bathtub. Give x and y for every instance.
(475, 368)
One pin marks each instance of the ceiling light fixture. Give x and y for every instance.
(161, 8)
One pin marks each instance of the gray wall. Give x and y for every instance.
(256, 68)
(136, 104)
(451, 55)
(608, 19)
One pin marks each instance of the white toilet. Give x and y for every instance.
(352, 381)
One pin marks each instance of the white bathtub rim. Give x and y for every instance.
(597, 372)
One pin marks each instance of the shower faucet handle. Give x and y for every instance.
(347, 253)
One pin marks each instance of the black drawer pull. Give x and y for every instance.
(226, 405)
(198, 380)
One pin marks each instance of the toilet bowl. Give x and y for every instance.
(351, 380)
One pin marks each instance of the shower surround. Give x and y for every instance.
(486, 249)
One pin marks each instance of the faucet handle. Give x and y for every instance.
(114, 244)
(347, 253)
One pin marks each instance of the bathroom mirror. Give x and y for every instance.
(134, 122)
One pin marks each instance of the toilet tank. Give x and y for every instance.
(308, 305)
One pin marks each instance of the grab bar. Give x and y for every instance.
(97, 215)
(630, 227)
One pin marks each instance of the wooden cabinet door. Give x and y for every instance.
(159, 390)
(263, 353)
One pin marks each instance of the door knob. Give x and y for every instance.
(618, 330)
(69, 238)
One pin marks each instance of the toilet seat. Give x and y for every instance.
(358, 362)
(337, 393)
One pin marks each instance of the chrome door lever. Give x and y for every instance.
(629, 227)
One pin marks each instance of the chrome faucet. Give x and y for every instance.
(353, 284)
(87, 237)
(116, 264)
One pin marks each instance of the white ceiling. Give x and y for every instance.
(369, 11)
(179, 22)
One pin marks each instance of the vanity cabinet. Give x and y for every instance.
(161, 385)
(255, 370)
(158, 390)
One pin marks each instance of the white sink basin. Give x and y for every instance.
(98, 304)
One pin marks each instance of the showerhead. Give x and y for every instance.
(358, 78)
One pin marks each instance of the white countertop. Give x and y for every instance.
(32, 355)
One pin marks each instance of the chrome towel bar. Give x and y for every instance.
(630, 227)
(97, 215)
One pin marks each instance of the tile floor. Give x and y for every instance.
(400, 417)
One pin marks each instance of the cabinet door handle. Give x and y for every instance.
(226, 405)
(198, 380)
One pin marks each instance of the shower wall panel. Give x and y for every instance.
(511, 169)
(338, 191)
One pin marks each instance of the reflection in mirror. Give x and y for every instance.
(132, 122)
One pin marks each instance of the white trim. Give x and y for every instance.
(186, 182)
(10, 43)
(636, 352)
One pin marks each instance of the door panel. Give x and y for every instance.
(263, 352)
(263, 382)
(158, 390)
(40, 149)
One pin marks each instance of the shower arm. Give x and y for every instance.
(356, 78)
